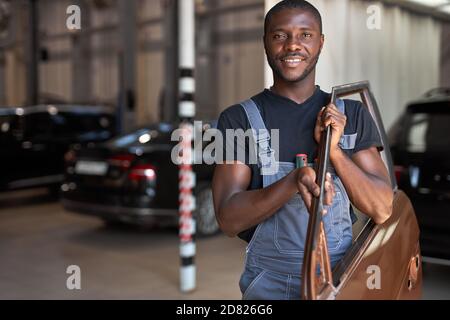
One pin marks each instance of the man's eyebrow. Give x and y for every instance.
(281, 29)
(277, 30)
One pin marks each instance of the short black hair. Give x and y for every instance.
(292, 4)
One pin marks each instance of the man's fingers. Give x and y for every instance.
(306, 196)
(333, 112)
(328, 197)
(319, 119)
(333, 107)
(309, 190)
(329, 190)
(311, 186)
(321, 113)
(307, 186)
(332, 119)
(328, 120)
(330, 115)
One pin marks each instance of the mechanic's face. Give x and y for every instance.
(293, 44)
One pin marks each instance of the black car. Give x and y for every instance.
(420, 144)
(34, 140)
(133, 179)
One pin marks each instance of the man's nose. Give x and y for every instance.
(294, 44)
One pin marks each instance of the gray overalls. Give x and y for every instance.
(275, 253)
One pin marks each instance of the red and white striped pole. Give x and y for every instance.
(186, 113)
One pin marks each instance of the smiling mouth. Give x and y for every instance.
(292, 61)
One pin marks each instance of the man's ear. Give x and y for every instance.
(264, 43)
(322, 41)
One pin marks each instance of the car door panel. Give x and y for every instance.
(386, 254)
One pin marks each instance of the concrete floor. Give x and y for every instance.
(39, 240)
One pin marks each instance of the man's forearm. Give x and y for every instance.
(372, 195)
(246, 209)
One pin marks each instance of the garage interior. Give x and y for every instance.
(125, 56)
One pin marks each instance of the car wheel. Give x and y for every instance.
(204, 214)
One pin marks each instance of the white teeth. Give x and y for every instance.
(293, 60)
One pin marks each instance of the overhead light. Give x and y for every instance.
(431, 3)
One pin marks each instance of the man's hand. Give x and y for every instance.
(308, 189)
(330, 115)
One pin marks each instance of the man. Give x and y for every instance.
(265, 209)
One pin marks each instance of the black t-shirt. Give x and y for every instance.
(296, 124)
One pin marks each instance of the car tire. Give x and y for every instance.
(204, 214)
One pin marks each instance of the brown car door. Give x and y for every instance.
(384, 261)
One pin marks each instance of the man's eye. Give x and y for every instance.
(307, 35)
(278, 36)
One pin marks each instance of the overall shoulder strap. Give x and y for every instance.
(347, 140)
(261, 136)
(254, 116)
(340, 104)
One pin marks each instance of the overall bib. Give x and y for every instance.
(274, 255)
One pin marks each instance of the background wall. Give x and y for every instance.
(240, 54)
(402, 60)
(14, 59)
(55, 69)
(150, 62)
(445, 55)
(101, 25)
